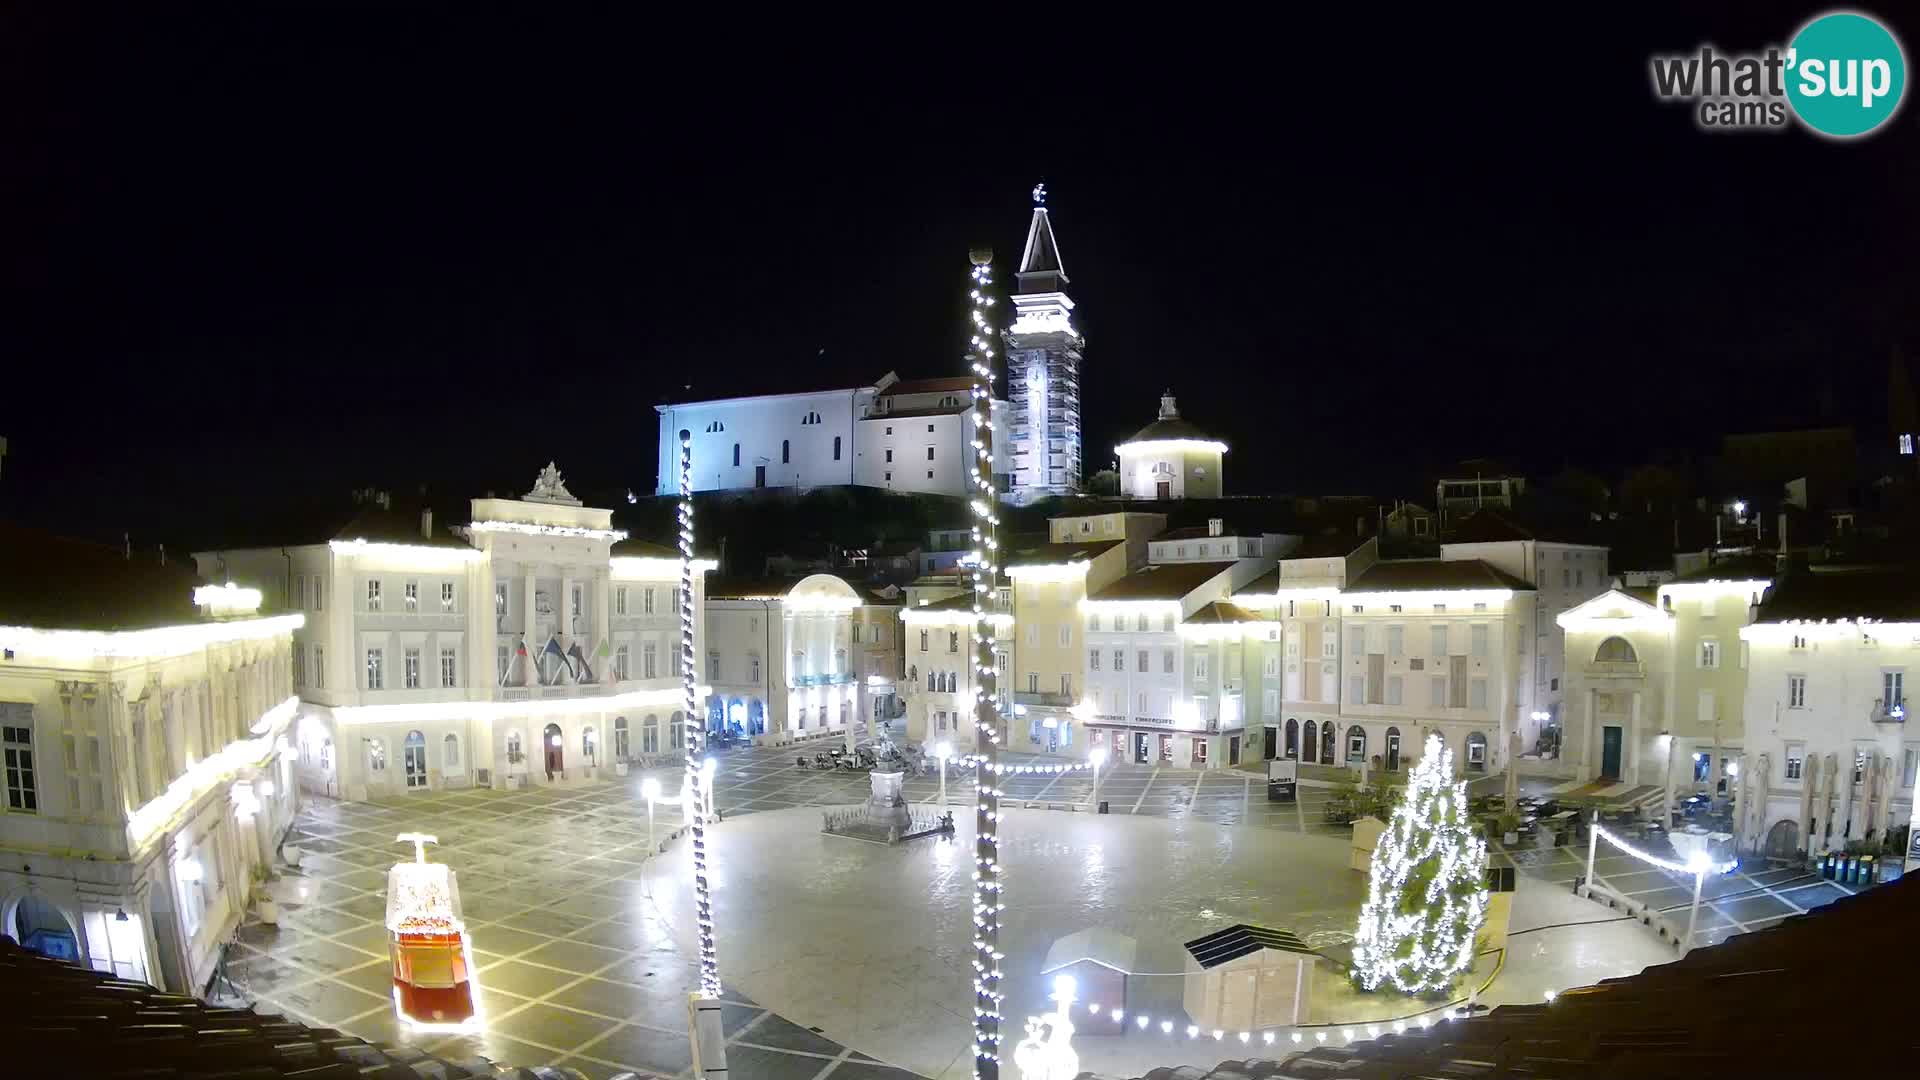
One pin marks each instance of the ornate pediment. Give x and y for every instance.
(549, 487)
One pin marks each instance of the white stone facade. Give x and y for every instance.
(149, 779)
(912, 436)
(784, 666)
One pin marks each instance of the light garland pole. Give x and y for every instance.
(987, 900)
(703, 1006)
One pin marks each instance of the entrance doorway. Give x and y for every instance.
(1166, 749)
(552, 745)
(1140, 750)
(1272, 748)
(1163, 489)
(1610, 738)
(1233, 749)
(414, 754)
(1311, 742)
(1783, 840)
(759, 476)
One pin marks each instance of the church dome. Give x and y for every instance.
(1171, 426)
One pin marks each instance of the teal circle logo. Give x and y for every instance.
(1845, 74)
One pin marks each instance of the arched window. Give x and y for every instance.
(1615, 650)
(620, 738)
(716, 426)
(1476, 752)
(1393, 749)
(650, 735)
(836, 448)
(736, 455)
(1356, 745)
(786, 451)
(1293, 739)
(676, 732)
(376, 756)
(1311, 747)
(590, 745)
(913, 676)
(1163, 468)
(450, 752)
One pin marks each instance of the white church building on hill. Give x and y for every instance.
(906, 436)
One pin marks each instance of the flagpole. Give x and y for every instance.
(703, 1007)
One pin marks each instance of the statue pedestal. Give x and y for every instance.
(885, 807)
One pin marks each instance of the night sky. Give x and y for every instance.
(258, 258)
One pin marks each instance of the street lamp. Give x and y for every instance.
(650, 791)
(707, 769)
(1099, 759)
(943, 750)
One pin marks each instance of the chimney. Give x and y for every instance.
(1216, 527)
(426, 524)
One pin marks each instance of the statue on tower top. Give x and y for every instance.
(1040, 193)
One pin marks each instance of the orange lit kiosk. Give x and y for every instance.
(432, 973)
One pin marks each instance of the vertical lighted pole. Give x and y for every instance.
(703, 1007)
(987, 901)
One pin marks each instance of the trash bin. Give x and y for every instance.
(1103, 806)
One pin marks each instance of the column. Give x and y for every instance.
(527, 668)
(1630, 767)
(567, 629)
(601, 609)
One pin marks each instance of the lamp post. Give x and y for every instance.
(1099, 759)
(650, 791)
(983, 563)
(943, 750)
(707, 769)
(704, 1028)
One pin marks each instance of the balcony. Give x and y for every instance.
(1044, 698)
(1884, 712)
(839, 679)
(1617, 669)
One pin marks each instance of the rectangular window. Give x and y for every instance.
(373, 594)
(1093, 624)
(449, 668)
(1393, 689)
(1396, 641)
(1166, 623)
(1066, 635)
(1479, 640)
(502, 659)
(1796, 756)
(1566, 577)
(1357, 642)
(1796, 691)
(1166, 662)
(376, 669)
(713, 667)
(622, 660)
(1438, 697)
(1709, 653)
(646, 601)
(1893, 692)
(620, 600)
(923, 640)
(299, 666)
(446, 596)
(412, 591)
(1271, 700)
(1478, 699)
(319, 592)
(1066, 686)
(929, 453)
(953, 641)
(1356, 689)
(1200, 666)
(411, 659)
(319, 667)
(650, 660)
(23, 789)
(1093, 660)
(499, 598)
(1439, 634)
(1140, 622)
(1033, 683)
(300, 590)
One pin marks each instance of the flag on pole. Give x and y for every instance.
(586, 673)
(553, 649)
(519, 653)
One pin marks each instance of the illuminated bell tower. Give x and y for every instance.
(1043, 370)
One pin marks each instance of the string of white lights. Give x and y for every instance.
(1701, 863)
(988, 902)
(696, 730)
(1295, 1034)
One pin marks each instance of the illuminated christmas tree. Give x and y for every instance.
(1427, 895)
